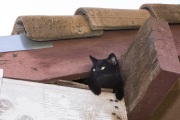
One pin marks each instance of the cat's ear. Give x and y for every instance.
(93, 59)
(112, 59)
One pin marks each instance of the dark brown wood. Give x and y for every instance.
(68, 59)
(170, 106)
(150, 68)
(175, 28)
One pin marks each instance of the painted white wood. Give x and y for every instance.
(1, 78)
(1, 73)
(21, 100)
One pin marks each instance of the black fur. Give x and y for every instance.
(105, 73)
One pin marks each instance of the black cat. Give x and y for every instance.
(105, 73)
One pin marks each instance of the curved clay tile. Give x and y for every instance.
(113, 19)
(42, 28)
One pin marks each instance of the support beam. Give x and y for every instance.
(150, 68)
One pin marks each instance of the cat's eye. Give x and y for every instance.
(102, 68)
(94, 70)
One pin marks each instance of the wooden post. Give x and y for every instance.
(150, 68)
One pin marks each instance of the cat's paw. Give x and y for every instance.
(95, 87)
(96, 91)
(119, 94)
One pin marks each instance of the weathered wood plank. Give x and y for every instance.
(150, 68)
(170, 106)
(1, 77)
(36, 101)
(67, 60)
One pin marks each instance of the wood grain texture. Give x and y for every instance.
(1, 77)
(35, 101)
(139, 62)
(170, 106)
(76, 85)
(150, 68)
(67, 59)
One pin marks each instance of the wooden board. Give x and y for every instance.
(21, 100)
(170, 106)
(150, 68)
(67, 59)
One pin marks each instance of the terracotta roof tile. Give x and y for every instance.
(90, 22)
(112, 19)
(170, 13)
(54, 27)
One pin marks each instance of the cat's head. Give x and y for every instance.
(103, 67)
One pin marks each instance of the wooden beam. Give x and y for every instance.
(67, 60)
(169, 108)
(21, 99)
(150, 68)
